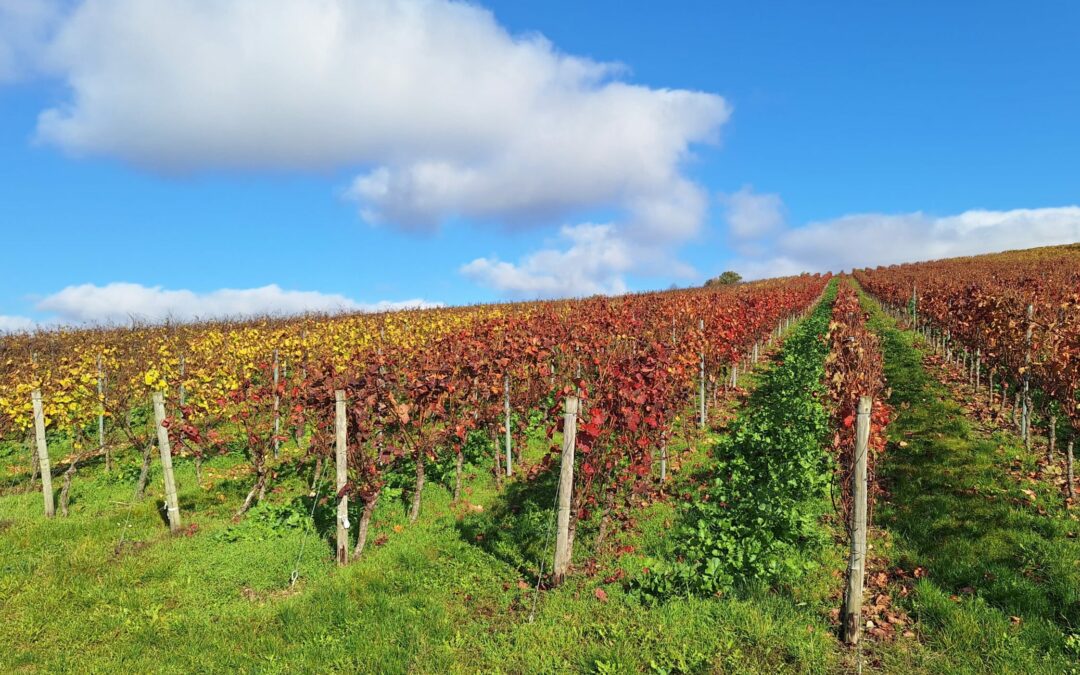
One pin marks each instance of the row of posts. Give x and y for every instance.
(566, 472)
(41, 446)
(733, 373)
(972, 362)
(565, 490)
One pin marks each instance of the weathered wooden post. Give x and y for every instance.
(663, 459)
(1025, 419)
(857, 561)
(509, 437)
(1069, 478)
(172, 505)
(43, 453)
(701, 375)
(914, 307)
(277, 406)
(978, 370)
(101, 416)
(563, 552)
(340, 440)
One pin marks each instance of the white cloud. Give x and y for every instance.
(593, 262)
(440, 110)
(454, 115)
(25, 26)
(752, 215)
(120, 302)
(15, 324)
(871, 239)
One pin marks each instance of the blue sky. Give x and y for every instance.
(798, 137)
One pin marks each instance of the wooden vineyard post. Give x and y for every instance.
(978, 370)
(857, 561)
(340, 439)
(1051, 442)
(506, 415)
(701, 376)
(914, 308)
(303, 378)
(1069, 478)
(101, 416)
(43, 454)
(663, 459)
(1025, 418)
(172, 505)
(563, 554)
(277, 406)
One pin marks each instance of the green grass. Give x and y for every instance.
(956, 508)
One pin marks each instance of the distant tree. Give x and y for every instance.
(725, 279)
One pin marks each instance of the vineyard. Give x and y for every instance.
(805, 474)
(1013, 323)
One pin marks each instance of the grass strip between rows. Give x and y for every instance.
(757, 514)
(999, 589)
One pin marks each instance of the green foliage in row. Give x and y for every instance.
(760, 504)
(267, 521)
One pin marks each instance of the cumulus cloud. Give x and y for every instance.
(15, 324)
(455, 115)
(871, 239)
(120, 302)
(442, 112)
(593, 262)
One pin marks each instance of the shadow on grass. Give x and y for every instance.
(519, 527)
(958, 511)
